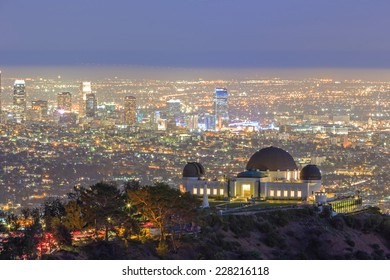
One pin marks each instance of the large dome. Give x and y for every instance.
(310, 172)
(272, 159)
(193, 169)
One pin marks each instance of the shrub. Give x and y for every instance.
(372, 223)
(337, 222)
(360, 255)
(162, 249)
(264, 227)
(274, 240)
(350, 242)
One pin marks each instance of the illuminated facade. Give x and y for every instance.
(130, 110)
(19, 101)
(39, 110)
(271, 174)
(90, 105)
(64, 101)
(221, 107)
(85, 88)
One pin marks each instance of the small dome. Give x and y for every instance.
(193, 169)
(251, 174)
(310, 172)
(272, 159)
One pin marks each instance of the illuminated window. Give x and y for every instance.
(195, 191)
(278, 193)
(215, 191)
(246, 189)
(201, 190)
(285, 193)
(292, 194)
(208, 191)
(221, 192)
(299, 193)
(271, 193)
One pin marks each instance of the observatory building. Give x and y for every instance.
(271, 173)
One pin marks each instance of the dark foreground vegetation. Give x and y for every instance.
(158, 222)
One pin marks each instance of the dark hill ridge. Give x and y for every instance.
(289, 234)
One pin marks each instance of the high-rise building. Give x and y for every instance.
(64, 101)
(90, 105)
(39, 110)
(85, 89)
(173, 108)
(130, 110)
(221, 107)
(19, 101)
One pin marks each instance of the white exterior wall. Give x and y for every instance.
(196, 187)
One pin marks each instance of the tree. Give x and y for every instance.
(73, 217)
(62, 235)
(102, 205)
(26, 213)
(53, 212)
(163, 206)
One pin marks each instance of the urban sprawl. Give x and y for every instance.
(56, 134)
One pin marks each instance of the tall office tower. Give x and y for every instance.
(192, 122)
(85, 89)
(209, 122)
(90, 105)
(39, 110)
(64, 101)
(19, 101)
(221, 107)
(130, 110)
(173, 108)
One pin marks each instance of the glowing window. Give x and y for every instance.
(278, 193)
(271, 193)
(208, 191)
(195, 191)
(299, 193)
(285, 193)
(201, 190)
(221, 191)
(215, 191)
(246, 189)
(292, 194)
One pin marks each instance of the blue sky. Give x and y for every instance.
(196, 33)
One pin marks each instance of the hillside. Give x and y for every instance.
(290, 234)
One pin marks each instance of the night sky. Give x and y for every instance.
(196, 33)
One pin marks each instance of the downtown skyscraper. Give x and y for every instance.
(90, 105)
(130, 110)
(64, 101)
(39, 110)
(221, 107)
(19, 101)
(85, 88)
